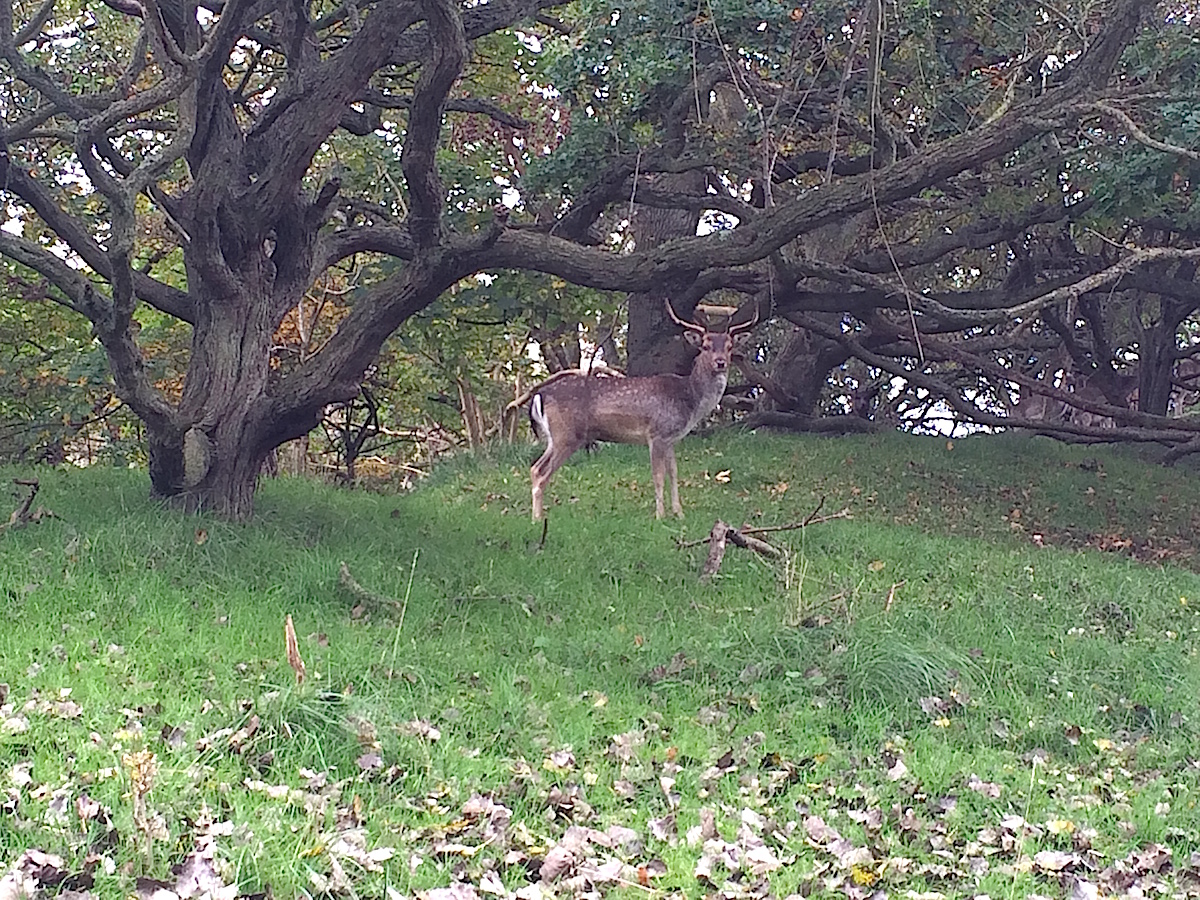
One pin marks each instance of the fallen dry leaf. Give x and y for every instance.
(559, 761)
(987, 788)
(663, 829)
(26, 877)
(420, 728)
(1054, 860)
(457, 891)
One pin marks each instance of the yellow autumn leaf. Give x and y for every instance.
(861, 875)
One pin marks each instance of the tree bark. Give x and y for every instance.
(653, 346)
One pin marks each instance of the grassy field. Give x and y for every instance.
(983, 681)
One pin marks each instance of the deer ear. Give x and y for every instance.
(693, 338)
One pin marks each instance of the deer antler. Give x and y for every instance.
(690, 326)
(731, 329)
(745, 326)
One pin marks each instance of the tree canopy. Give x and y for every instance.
(981, 211)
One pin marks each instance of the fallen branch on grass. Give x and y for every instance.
(723, 534)
(716, 550)
(717, 538)
(21, 516)
(811, 519)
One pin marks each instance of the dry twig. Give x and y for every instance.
(813, 519)
(292, 647)
(746, 530)
(362, 594)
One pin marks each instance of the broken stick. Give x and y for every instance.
(716, 550)
(364, 595)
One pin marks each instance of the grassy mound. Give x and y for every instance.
(983, 681)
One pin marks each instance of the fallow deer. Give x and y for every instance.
(569, 412)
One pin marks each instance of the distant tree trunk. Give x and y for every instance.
(604, 339)
(559, 346)
(803, 367)
(210, 470)
(802, 371)
(472, 415)
(1156, 368)
(293, 457)
(1159, 350)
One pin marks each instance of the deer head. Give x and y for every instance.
(715, 346)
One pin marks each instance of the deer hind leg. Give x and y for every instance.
(539, 474)
(556, 453)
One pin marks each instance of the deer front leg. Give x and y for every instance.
(662, 457)
(676, 506)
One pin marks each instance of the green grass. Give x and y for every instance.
(964, 620)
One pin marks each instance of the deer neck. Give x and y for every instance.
(707, 388)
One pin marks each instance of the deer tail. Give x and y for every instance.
(537, 419)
